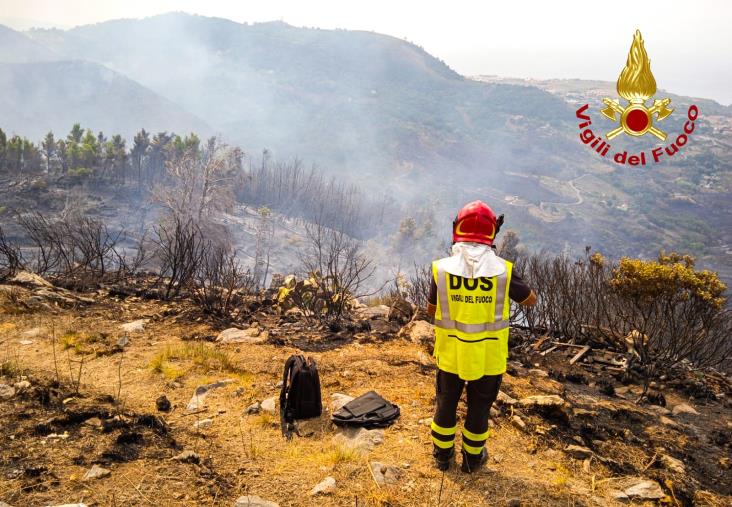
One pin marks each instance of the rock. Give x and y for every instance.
(645, 490)
(518, 423)
(618, 495)
(202, 424)
(383, 327)
(254, 501)
(269, 405)
(33, 333)
(163, 403)
(199, 395)
(424, 359)
(294, 312)
(254, 408)
(495, 413)
(96, 472)
(373, 312)
(425, 422)
(233, 335)
(384, 475)
(187, 457)
(535, 372)
(324, 487)
(30, 279)
(123, 341)
(419, 332)
(505, 399)
(673, 464)
(136, 326)
(550, 406)
(26, 342)
(93, 422)
(309, 427)
(668, 422)
(401, 310)
(337, 400)
(544, 401)
(21, 386)
(279, 385)
(359, 438)
(578, 452)
(684, 408)
(6, 392)
(656, 409)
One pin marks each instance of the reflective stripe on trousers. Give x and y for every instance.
(444, 438)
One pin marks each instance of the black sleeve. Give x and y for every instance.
(432, 299)
(518, 290)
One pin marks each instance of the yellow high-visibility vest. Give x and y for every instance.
(471, 323)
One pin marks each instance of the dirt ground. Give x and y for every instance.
(91, 402)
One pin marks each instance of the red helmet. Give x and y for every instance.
(476, 222)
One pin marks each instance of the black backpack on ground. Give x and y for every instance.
(300, 395)
(367, 411)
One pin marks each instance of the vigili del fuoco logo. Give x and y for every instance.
(636, 85)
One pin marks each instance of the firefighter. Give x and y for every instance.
(469, 302)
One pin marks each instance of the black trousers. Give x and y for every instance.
(481, 394)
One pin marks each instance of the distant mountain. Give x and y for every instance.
(38, 97)
(16, 47)
(359, 103)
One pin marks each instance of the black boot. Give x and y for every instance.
(443, 457)
(473, 463)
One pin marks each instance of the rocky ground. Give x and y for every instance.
(110, 399)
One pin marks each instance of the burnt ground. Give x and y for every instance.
(54, 431)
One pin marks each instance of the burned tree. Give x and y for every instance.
(339, 267)
(198, 184)
(11, 258)
(180, 250)
(263, 247)
(220, 282)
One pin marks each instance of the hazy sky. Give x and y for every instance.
(689, 42)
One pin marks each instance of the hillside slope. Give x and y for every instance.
(42, 96)
(355, 102)
(16, 47)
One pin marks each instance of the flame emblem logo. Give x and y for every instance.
(636, 84)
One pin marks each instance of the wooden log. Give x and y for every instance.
(579, 354)
(562, 344)
(548, 350)
(540, 342)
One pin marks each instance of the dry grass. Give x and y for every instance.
(177, 360)
(11, 300)
(82, 343)
(247, 454)
(6, 327)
